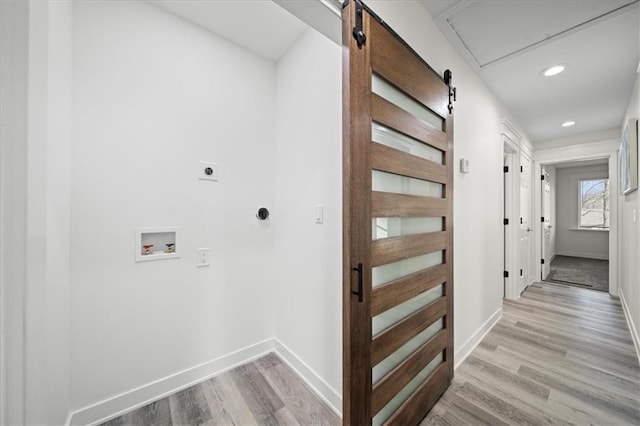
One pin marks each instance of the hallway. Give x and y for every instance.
(559, 355)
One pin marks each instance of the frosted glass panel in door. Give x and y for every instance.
(386, 412)
(389, 137)
(392, 361)
(387, 227)
(392, 316)
(389, 182)
(382, 88)
(392, 271)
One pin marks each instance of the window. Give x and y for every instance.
(594, 204)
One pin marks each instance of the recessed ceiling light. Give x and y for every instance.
(556, 69)
(568, 123)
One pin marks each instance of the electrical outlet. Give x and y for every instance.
(208, 171)
(203, 257)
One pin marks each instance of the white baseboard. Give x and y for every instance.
(632, 327)
(473, 341)
(143, 395)
(329, 395)
(584, 254)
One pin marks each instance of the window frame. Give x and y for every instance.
(606, 207)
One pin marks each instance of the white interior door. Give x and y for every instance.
(525, 221)
(547, 225)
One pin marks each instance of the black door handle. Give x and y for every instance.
(358, 292)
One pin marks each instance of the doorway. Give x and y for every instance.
(525, 227)
(577, 234)
(575, 224)
(511, 194)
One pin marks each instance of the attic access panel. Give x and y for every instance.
(494, 30)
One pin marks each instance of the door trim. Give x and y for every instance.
(511, 197)
(588, 151)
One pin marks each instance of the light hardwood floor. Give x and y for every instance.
(559, 355)
(262, 392)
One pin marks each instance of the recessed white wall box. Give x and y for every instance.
(202, 257)
(464, 165)
(208, 171)
(156, 244)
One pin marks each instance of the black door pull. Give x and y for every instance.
(359, 291)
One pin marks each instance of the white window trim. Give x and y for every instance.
(579, 209)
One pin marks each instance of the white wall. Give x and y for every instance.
(570, 240)
(58, 219)
(478, 240)
(35, 197)
(308, 291)
(14, 48)
(630, 238)
(580, 139)
(152, 96)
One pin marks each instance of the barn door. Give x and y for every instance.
(398, 229)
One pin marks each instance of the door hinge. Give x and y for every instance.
(521, 221)
(521, 169)
(542, 261)
(520, 272)
(542, 219)
(506, 274)
(506, 221)
(505, 169)
(541, 177)
(358, 33)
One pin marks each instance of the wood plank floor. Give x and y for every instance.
(262, 392)
(559, 355)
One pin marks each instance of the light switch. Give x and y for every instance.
(203, 257)
(319, 214)
(464, 165)
(208, 171)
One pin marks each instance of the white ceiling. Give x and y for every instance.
(261, 26)
(508, 43)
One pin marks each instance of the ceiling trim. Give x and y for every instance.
(509, 130)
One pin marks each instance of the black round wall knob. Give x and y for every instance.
(263, 213)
